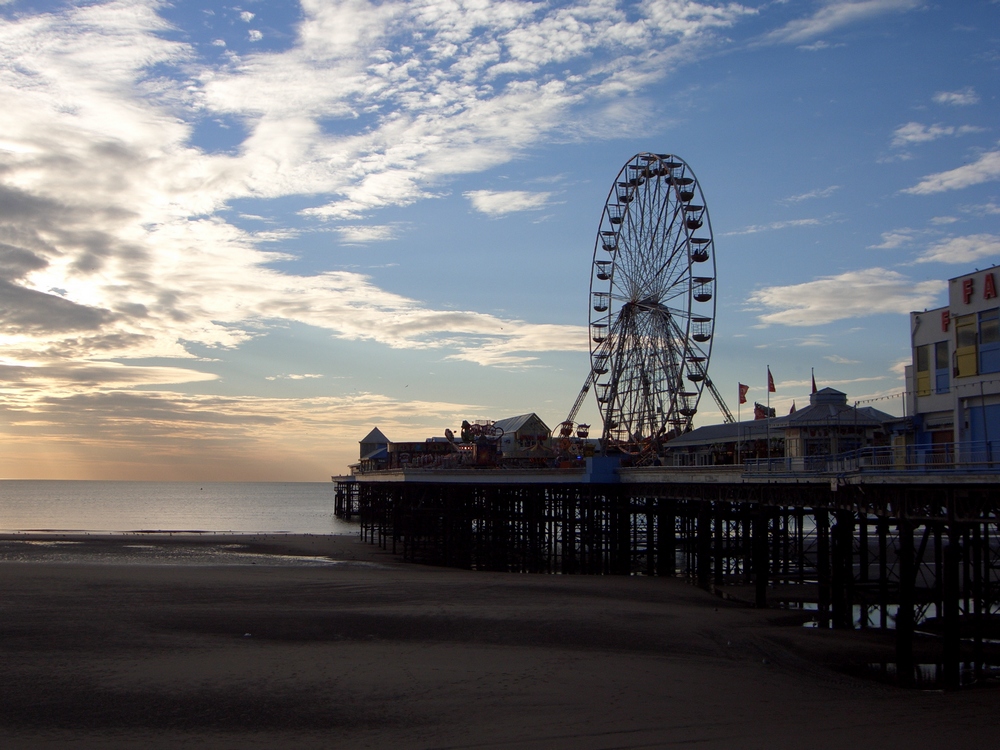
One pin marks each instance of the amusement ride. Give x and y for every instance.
(652, 308)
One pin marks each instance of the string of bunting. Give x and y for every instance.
(933, 392)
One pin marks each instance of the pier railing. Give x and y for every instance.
(969, 456)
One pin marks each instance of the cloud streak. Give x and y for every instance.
(915, 132)
(962, 249)
(985, 169)
(500, 203)
(833, 16)
(775, 226)
(854, 294)
(165, 435)
(106, 198)
(961, 98)
(812, 194)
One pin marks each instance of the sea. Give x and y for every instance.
(67, 506)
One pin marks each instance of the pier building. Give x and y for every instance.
(802, 440)
(374, 452)
(953, 381)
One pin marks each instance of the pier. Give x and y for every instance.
(851, 517)
(914, 554)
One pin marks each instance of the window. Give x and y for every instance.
(965, 345)
(989, 327)
(924, 370)
(941, 367)
(989, 341)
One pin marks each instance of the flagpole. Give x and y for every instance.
(767, 415)
(739, 419)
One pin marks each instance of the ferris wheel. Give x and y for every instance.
(652, 304)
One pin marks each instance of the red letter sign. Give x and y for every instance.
(967, 288)
(945, 319)
(989, 287)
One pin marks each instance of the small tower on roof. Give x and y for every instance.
(373, 442)
(828, 396)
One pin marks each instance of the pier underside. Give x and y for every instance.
(921, 563)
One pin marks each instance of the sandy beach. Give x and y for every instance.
(371, 652)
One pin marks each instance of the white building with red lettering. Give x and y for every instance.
(953, 383)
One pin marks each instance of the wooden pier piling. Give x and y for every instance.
(921, 560)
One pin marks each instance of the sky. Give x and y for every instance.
(234, 238)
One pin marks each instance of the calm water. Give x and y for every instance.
(238, 507)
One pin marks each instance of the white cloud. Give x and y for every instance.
(775, 225)
(362, 233)
(813, 339)
(456, 88)
(983, 209)
(275, 235)
(915, 132)
(819, 45)
(254, 35)
(295, 376)
(853, 294)
(961, 98)
(835, 15)
(686, 18)
(818, 193)
(985, 169)
(898, 156)
(896, 238)
(499, 203)
(838, 360)
(899, 368)
(246, 16)
(78, 377)
(962, 249)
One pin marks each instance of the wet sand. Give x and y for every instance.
(370, 652)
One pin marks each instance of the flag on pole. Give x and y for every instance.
(743, 392)
(814, 378)
(770, 382)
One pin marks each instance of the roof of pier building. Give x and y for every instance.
(714, 434)
(374, 445)
(511, 425)
(375, 436)
(828, 407)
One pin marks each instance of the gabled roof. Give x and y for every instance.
(375, 436)
(513, 424)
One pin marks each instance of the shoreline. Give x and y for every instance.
(411, 656)
(336, 547)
